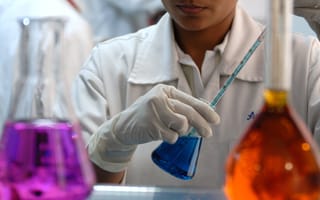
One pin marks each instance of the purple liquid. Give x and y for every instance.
(43, 159)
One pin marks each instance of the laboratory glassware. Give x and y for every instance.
(180, 159)
(42, 155)
(276, 158)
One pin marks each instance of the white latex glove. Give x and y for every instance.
(310, 10)
(163, 113)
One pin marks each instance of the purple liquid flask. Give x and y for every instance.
(42, 155)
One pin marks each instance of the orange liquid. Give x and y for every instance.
(275, 160)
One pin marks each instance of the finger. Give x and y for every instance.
(172, 120)
(170, 136)
(166, 133)
(201, 107)
(161, 133)
(194, 118)
(170, 124)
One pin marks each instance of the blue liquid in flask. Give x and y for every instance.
(179, 159)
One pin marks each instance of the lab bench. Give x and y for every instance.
(115, 192)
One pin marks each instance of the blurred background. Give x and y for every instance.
(258, 9)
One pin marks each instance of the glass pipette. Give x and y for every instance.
(231, 78)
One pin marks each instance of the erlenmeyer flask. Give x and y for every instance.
(179, 159)
(42, 155)
(276, 158)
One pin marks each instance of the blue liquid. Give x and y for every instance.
(179, 159)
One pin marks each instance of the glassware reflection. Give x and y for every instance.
(42, 155)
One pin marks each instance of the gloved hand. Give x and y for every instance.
(163, 113)
(310, 10)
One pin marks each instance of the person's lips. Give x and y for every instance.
(190, 8)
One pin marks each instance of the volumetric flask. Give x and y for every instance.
(42, 155)
(276, 157)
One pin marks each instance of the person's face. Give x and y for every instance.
(196, 15)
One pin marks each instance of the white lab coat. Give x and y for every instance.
(110, 18)
(122, 69)
(77, 38)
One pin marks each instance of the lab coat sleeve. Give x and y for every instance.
(89, 101)
(314, 90)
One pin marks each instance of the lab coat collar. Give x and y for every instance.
(157, 59)
(240, 41)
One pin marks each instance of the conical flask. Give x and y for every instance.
(276, 159)
(42, 155)
(179, 159)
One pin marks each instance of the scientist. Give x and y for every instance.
(139, 89)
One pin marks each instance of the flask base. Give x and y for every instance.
(178, 159)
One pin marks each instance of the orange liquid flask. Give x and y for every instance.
(276, 158)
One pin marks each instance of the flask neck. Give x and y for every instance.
(276, 100)
(278, 47)
(40, 89)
